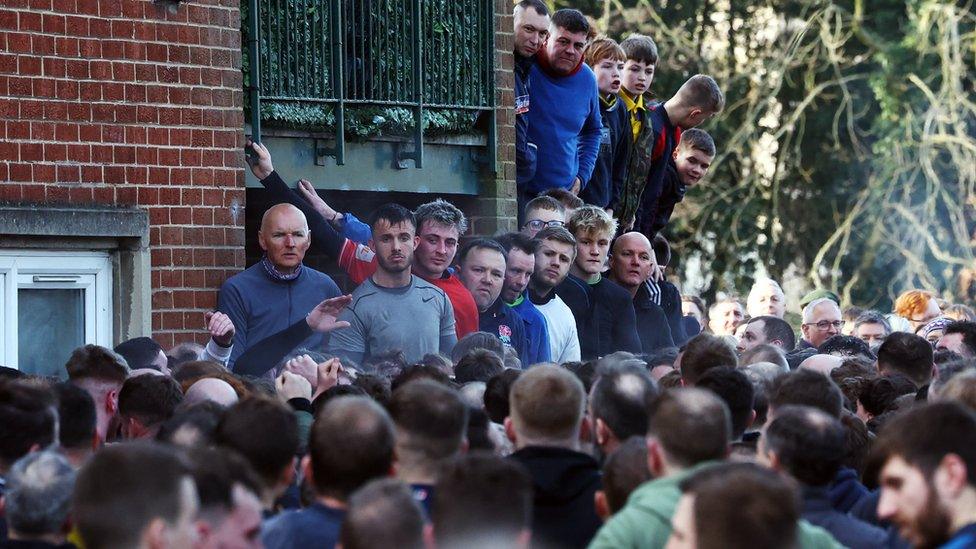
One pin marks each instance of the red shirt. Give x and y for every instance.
(359, 262)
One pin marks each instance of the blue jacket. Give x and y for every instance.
(506, 324)
(846, 529)
(565, 125)
(667, 139)
(314, 526)
(652, 323)
(525, 150)
(536, 333)
(603, 188)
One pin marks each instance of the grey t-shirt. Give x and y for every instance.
(416, 319)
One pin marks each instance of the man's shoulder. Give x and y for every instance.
(317, 276)
(300, 527)
(814, 537)
(426, 288)
(613, 291)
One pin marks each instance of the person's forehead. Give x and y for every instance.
(870, 327)
(531, 17)
(636, 63)
(632, 243)
(443, 230)
(384, 226)
(285, 218)
(485, 257)
(517, 256)
(827, 310)
(897, 468)
(543, 215)
(557, 246)
(756, 327)
(560, 32)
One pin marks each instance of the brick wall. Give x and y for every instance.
(119, 102)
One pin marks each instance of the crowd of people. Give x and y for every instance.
(543, 388)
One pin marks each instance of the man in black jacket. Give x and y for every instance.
(544, 424)
(631, 264)
(690, 162)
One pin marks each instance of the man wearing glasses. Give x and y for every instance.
(821, 320)
(542, 212)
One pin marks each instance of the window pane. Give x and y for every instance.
(50, 324)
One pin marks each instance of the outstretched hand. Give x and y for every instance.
(323, 317)
(308, 193)
(260, 163)
(221, 328)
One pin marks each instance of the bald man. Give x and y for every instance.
(279, 291)
(213, 389)
(631, 263)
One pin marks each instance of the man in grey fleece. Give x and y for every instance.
(392, 309)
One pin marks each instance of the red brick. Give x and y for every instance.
(53, 24)
(124, 195)
(135, 134)
(44, 87)
(124, 155)
(101, 154)
(79, 112)
(67, 90)
(17, 129)
(42, 131)
(68, 174)
(67, 47)
(29, 66)
(135, 93)
(31, 152)
(116, 175)
(89, 7)
(136, 175)
(55, 152)
(79, 153)
(78, 26)
(45, 173)
(54, 67)
(43, 45)
(8, 20)
(125, 114)
(18, 42)
(77, 69)
(123, 29)
(100, 69)
(92, 174)
(80, 195)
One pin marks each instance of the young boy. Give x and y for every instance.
(696, 101)
(606, 58)
(604, 311)
(692, 158)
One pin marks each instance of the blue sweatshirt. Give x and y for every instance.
(525, 151)
(536, 332)
(603, 188)
(565, 125)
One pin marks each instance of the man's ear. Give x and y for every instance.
(261, 242)
(655, 457)
(524, 539)
(430, 542)
(951, 476)
(465, 445)
(154, 535)
(600, 505)
(203, 531)
(509, 429)
(601, 433)
(585, 430)
(774, 461)
(112, 402)
(416, 241)
(752, 419)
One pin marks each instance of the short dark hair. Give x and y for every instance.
(149, 398)
(430, 419)
(478, 365)
(123, 489)
(569, 200)
(735, 389)
(518, 241)
(808, 442)
(544, 202)
(846, 346)
(539, 6)
(216, 471)
(692, 425)
(624, 470)
(76, 416)
(807, 388)
(698, 139)
(479, 497)
(871, 316)
(732, 498)
(703, 352)
(702, 91)
(777, 328)
(96, 362)
(350, 444)
(480, 244)
(622, 398)
(764, 353)
(139, 352)
(640, 48)
(879, 394)
(968, 331)
(383, 513)
(907, 354)
(393, 214)
(419, 371)
(924, 434)
(662, 251)
(262, 430)
(477, 340)
(28, 417)
(497, 390)
(194, 425)
(378, 388)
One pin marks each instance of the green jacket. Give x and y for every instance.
(645, 522)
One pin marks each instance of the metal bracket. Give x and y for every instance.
(323, 150)
(401, 156)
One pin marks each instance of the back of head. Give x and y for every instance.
(430, 419)
(188, 372)
(622, 399)
(962, 389)
(624, 470)
(808, 444)
(150, 399)
(807, 388)
(907, 354)
(28, 420)
(913, 437)
(140, 352)
(478, 365)
(705, 351)
(569, 200)
(216, 472)
(691, 425)
(262, 430)
(602, 48)
(878, 395)
(662, 250)
(777, 329)
(640, 48)
(701, 91)
(351, 443)
(482, 500)
(743, 506)
(845, 346)
(76, 416)
(967, 329)
(764, 353)
(497, 391)
(735, 389)
(547, 405)
(913, 303)
(192, 426)
(477, 340)
(123, 489)
(188, 351)
(383, 513)
(96, 362)
(212, 390)
(37, 495)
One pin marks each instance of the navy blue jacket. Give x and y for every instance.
(671, 303)
(536, 332)
(506, 324)
(525, 151)
(672, 192)
(849, 531)
(846, 490)
(603, 188)
(662, 126)
(605, 318)
(313, 526)
(652, 323)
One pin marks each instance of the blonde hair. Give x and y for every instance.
(601, 48)
(591, 220)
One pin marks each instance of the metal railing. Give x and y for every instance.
(414, 54)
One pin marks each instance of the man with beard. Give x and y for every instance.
(482, 271)
(520, 264)
(393, 309)
(557, 251)
(927, 459)
(531, 30)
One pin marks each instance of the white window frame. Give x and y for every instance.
(87, 271)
